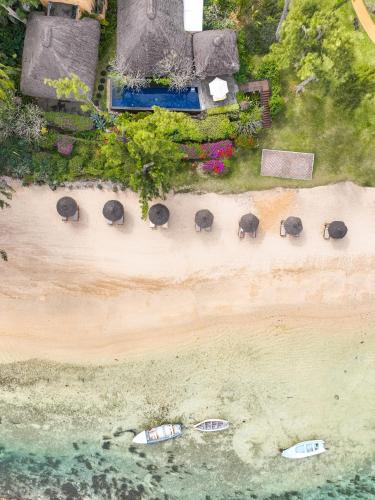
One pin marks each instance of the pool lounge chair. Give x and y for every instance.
(282, 229)
(326, 235)
(153, 226)
(241, 232)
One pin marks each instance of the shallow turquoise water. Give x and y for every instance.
(94, 471)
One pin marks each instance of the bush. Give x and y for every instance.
(208, 151)
(68, 122)
(213, 128)
(269, 70)
(50, 167)
(218, 110)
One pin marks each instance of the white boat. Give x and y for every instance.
(158, 434)
(305, 449)
(212, 425)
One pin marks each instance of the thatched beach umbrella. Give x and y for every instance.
(204, 219)
(66, 207)
(337, 229)
(293, 226)
(249, 223)
(158, 214)
(113, 210)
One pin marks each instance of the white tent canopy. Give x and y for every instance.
(218, 89)
(193, 15)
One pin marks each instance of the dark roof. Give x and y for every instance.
(293, 226)
(54, 48)
(337, 229)
(215, 53)
(249, 223)
(158, 214)
(148, 30)
(204, 219)
(113, 210)
(66, 206)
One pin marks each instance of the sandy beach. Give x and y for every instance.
(124, 327)
(87, 291)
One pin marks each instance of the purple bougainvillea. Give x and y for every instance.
(214, 166)
(209, 150)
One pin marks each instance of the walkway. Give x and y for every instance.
(263, 87)
(364, 17)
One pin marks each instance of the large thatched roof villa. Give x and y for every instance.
(148, 31)
(54, 48)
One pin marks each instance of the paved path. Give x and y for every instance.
(364, 17)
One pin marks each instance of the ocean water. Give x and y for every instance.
(89, 471)
(66, 430)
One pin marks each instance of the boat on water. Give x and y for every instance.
(305, 449)
(212, 425)
(158, 434)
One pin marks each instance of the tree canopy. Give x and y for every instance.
(151, 143)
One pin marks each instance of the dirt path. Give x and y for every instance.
(364, 17)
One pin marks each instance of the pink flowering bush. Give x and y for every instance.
(216, 167)
(64, 146)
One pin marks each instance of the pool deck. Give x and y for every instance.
(206, 98)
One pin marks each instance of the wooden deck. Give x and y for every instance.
(264, 88)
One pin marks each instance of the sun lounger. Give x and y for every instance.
(165, 226)
(241, 233)
(282, 229)
(197, 228)
(326, 235)
(208, 229)
(74, 218)
(253, 234)
(152, 226)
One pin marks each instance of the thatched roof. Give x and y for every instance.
(249, 223)
(293, 226)
(158, 214)
(148, 30)
(54, 48)
(204, 219)
(215, 53)
(66, 206)
(337, 229)
(113, 210)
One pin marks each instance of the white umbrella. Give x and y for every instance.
(218, 89)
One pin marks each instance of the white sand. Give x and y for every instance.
(88, 291)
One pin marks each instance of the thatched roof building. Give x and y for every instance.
(148, 30)
(249, 223)
(204, 219)
(113, 210)
(293, 226)
(54, 48)
(215, 53)
(158, 214)
(66, 207)
(337, 229)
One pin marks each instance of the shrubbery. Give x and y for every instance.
(212, 128)
(220, 110)
(270, 71)
(68, 122)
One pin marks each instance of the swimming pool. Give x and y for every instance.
(124, 98)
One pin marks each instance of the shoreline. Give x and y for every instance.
(87, 291)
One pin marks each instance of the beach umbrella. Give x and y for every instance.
(204, 219)
(66, 207)
(158, 214)
(218, 89)
(337, 229)
(293, 226)
(249, 223)
(113, 210)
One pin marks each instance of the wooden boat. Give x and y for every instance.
(212, 425)
(158, 434)
(305, 449)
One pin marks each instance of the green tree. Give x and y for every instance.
(314, 43)
(17, 10)
(152, 144)
(6, 82)
(73, 86)
(5, 194)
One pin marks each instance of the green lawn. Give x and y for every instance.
(343, 142)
